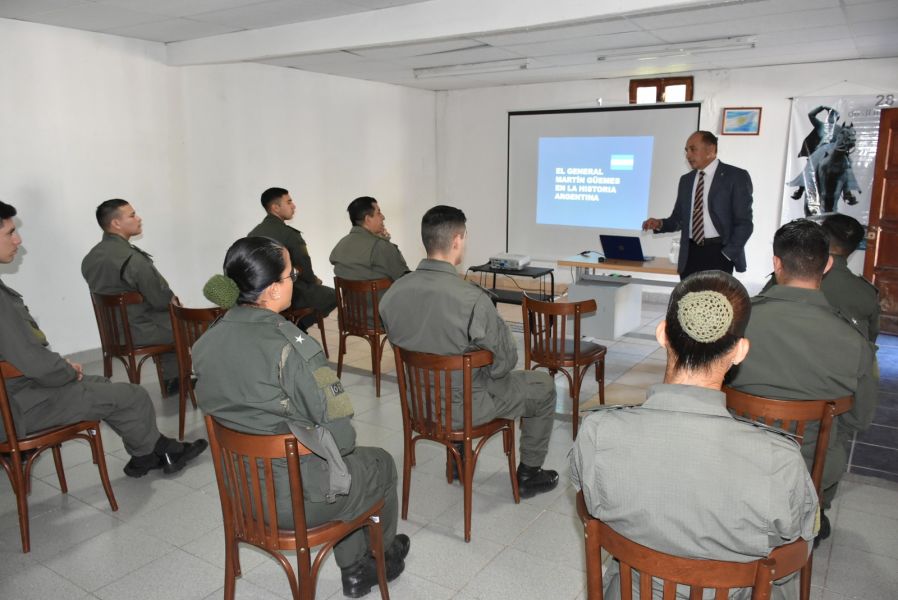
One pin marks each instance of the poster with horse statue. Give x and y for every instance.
(831, 155)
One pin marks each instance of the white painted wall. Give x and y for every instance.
(477, 119)
(86, 117)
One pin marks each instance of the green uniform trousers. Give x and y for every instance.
(529, 395)
(125, 407)
(373, 477)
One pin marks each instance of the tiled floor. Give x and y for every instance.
(165, 542)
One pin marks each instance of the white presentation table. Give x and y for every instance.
(617, 292)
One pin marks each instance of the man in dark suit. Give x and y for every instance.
(712, 213)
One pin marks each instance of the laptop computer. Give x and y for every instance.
(623, 247)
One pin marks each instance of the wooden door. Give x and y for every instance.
(881, 263)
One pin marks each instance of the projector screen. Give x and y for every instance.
(573, 174)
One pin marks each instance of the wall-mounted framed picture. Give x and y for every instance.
(741, 120)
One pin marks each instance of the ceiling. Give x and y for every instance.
(406, 42)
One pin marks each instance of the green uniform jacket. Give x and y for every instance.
(257, 372)
(434, 310)
(802, 349)
(24, 345)
(307, 290)
(114, 267)
(852, 295)
(362, 255)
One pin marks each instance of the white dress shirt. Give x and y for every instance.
(710, 230)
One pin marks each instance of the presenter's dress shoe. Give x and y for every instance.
(169, 455)
(825, 529)
(535, 480)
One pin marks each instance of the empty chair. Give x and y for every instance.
(18, 453)
(552, 340)
(800, 418)
(670, 571)
(245, 475)
(357, 314)
(426, 386)
(188, 324)
(111, 311)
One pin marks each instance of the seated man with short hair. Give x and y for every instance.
(366, 252)
(115, 266)
(308, 290)
(55, 391)
(679, 474)
(804, 349)
(433, 309)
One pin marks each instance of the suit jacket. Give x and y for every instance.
(729, 204)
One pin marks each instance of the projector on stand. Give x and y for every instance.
(513, 262)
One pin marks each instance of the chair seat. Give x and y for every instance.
(589, 351)
(48, 437)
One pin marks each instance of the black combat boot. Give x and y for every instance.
(169, 455)
(535, 480)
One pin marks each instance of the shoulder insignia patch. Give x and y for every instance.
(305, 345)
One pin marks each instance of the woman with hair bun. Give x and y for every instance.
(258, 373)
(679, 473)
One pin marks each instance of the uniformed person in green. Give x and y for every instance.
(717, 487)
(803, 349)
(115, 266)
(366, 252)
(850, 294)
(308, 289)
(260, 374)
(434, 310)
(54, 391)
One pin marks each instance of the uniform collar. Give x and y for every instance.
(794, 294)
(429, 264)
(358, 229)
(115, 238)
(675, 397)
(251, 314)
(270, 218)
(840, 262)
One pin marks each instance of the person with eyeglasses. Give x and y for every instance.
(259, 373)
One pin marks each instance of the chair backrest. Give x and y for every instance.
(111, 311)
(426, 388)
(792, 416)
(358, 305)
(546, 330)
(7, 371)
(245, 475)
(188, 324)
(697, 574)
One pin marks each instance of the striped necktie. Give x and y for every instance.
(698, 209)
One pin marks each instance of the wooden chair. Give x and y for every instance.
(295, 315)
(18, 453)
(357, 314)
(698, 574)
(547, 344)
(250, 515)
(794, 416)
(425, 392)
(188, 324)
(111, 311)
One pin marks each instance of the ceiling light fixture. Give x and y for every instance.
(684, 49)
(493, 66)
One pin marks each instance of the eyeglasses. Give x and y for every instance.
(293, 276)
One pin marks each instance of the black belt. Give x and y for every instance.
(714, 241)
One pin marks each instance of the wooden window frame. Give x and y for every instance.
(660, 83)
